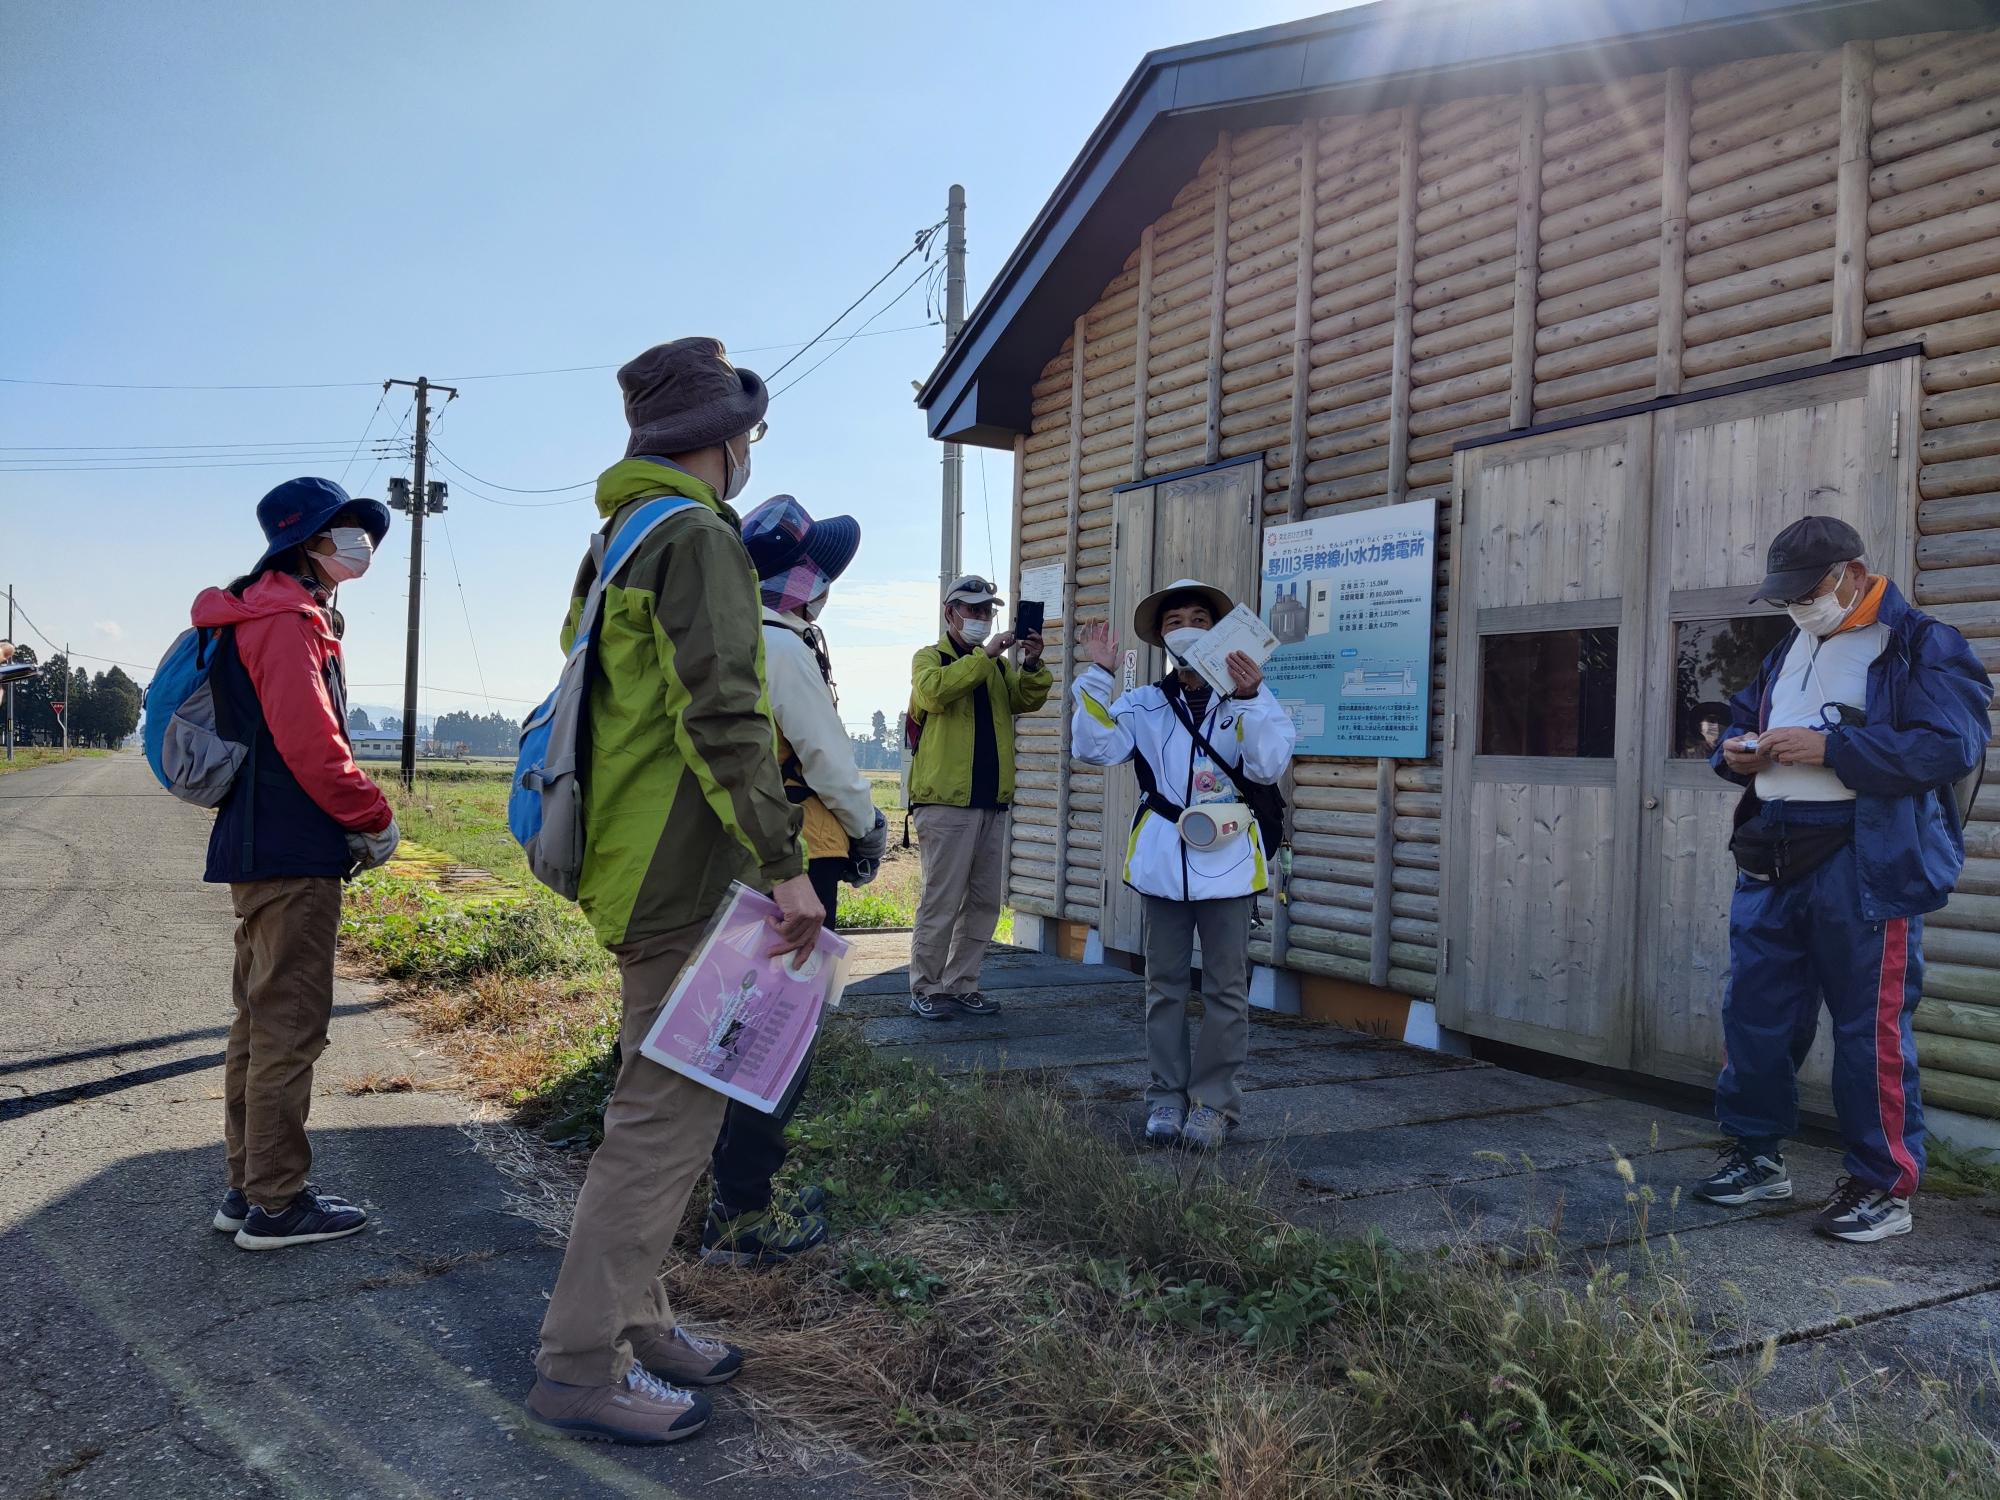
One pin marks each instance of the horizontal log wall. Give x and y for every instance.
(1354, 295)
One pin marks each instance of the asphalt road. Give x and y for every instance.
(145, 1354)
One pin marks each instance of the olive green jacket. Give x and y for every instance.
(941, 702)
(682, 794)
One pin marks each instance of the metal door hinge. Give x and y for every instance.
(1117, 534)
(1444, 958)
(1451, 733)
(1895, 434)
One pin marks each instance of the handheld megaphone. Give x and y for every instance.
(1213, 823)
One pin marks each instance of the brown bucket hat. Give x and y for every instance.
(686, 395)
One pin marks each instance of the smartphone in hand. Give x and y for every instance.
(1028, 617)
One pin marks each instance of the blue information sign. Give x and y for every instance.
(1349, 599)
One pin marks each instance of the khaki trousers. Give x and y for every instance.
(964, 852)
(1223, 1044)
(659, 1129)
(283, 989)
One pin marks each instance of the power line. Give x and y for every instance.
(921, 242)
(433, 688)
(461, 488)
(471, 639)
(169, 447)
(554, 489)
(370, 427)
(850, 338)
(288, 462)
(137, 666)
(355, 385)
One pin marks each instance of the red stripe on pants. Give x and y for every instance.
(1889, 1063)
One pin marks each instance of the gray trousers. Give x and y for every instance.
(964, 850)
(1208, 1076)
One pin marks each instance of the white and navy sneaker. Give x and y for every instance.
(1745, 1176)
(933, 1007)
(235, 1209)
(975, 1003)
(1163, 1125)
(311, 1218)
(1861, 1214)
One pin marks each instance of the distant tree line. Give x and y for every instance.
(102, 710)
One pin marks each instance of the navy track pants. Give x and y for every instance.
(1790, 947)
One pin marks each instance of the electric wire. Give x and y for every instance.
(850, 338)
(471, 639)
(921, 242)
(513, 489)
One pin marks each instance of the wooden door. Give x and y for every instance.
(1729, 475)
(1203, 525)
(1548, 601)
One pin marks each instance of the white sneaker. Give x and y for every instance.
(1163, 1125)
(1861, 1214)
(1206, 1128)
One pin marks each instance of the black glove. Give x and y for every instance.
(865, 853)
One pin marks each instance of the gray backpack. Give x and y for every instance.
(545, 808)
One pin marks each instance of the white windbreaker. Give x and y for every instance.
(1254, 734)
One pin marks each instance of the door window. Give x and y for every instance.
(1714, 659)
(1549, 693)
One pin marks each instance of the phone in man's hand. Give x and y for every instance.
(1028, 618)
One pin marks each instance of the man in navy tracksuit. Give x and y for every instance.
(1850, 745)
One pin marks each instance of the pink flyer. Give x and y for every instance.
(742, 1022)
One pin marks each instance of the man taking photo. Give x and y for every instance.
(1850, 745)
(964, 696)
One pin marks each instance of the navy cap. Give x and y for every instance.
(300, 509)
(1803, 554)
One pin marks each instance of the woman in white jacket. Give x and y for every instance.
(1194, 1096)
(797, 560)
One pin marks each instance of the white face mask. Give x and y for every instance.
(352, 552)
(1180, 642)
(975, 631)
(735, 476)
(1820, 617)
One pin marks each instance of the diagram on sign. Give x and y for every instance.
(1348, 601)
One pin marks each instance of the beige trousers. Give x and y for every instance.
(659, 1129)
(283, 989)
(964, 850)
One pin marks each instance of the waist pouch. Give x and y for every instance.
(1779, 855)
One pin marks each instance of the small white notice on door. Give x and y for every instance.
(1239, 630)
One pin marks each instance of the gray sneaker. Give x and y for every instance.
(639, 1409)
(1163, 1125)
(1744, 1176)
(1206, 1128)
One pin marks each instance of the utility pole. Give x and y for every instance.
(421, 499)
(69, 681)
(9, 690)
(949, 559)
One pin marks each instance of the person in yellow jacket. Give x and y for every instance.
(797, 559)
(964, 697)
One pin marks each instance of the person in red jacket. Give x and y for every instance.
(299, 818)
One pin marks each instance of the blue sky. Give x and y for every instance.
(241, 194)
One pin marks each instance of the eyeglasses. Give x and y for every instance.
(1833, 576)
(756, 433)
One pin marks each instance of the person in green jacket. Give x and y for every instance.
(964, 696)
(682, 797)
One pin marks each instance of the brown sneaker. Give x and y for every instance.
(639, 1409)
(681, 1358)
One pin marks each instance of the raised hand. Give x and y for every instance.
(1244, 673)
(1099, 644)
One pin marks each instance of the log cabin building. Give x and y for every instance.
(1622, 288)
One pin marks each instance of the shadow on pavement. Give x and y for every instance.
(153, 1357)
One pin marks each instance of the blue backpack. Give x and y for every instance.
(545, 808)
(192, 756)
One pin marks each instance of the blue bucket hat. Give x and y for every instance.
(300, 509)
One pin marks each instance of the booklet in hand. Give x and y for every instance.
(739, 1021)
(1239, 630)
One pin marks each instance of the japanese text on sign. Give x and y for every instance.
(1349, 599)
